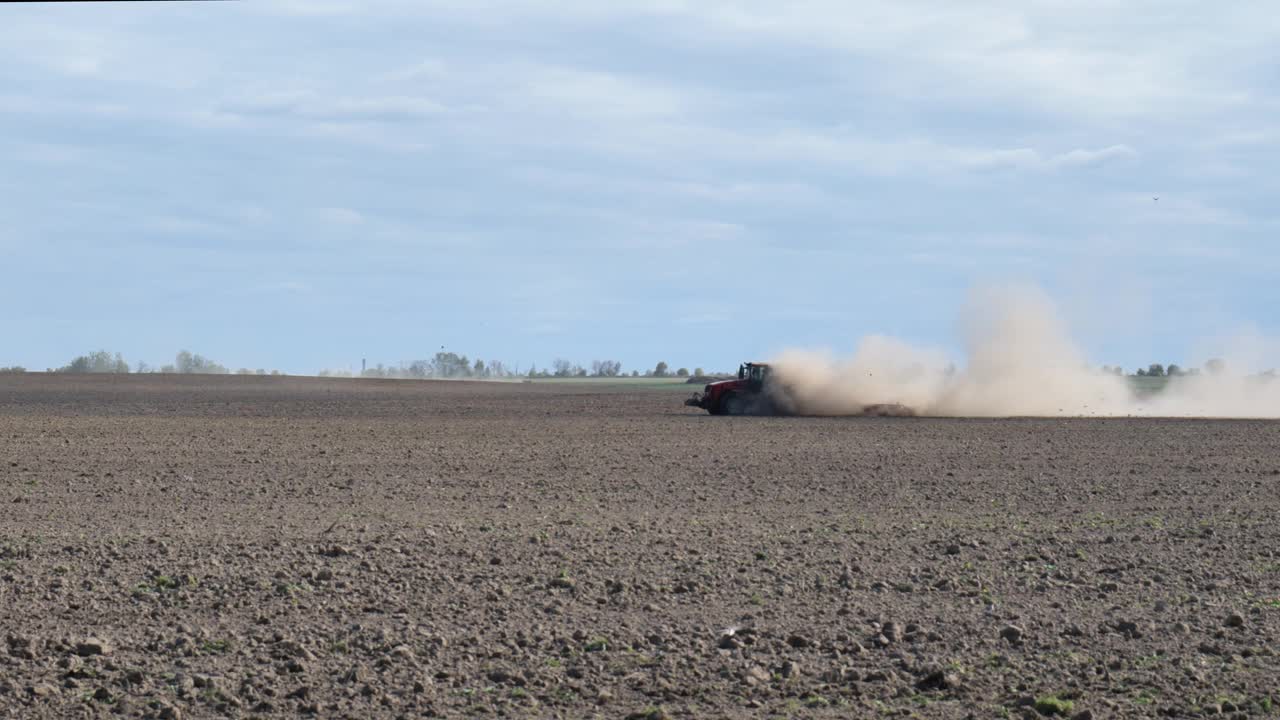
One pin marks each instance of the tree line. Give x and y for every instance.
(184, 363)
(448, 365)
(1216, 366)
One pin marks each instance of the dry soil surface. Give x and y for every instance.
(265, 547)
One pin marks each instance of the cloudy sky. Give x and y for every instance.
(298, 184)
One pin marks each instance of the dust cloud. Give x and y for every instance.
(1020, 361)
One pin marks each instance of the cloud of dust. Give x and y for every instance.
(1020, 361)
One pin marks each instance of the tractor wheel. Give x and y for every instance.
(732, 404)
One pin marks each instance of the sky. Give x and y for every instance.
(300, 184)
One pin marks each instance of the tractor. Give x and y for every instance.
(757, 391)
(748, 394)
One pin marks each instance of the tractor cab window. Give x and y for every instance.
(757, 374)
(742, 372)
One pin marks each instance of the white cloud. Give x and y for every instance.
(576, 92)
(315, 8)
(1030, 159)
(433, 69)
(1101, 58)
(1091, 158)
(328, 107)
(366, 134)
(1250, 138)
(339, 216)
(1097, 59)
(890, 156)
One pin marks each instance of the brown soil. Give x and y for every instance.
(259, 547)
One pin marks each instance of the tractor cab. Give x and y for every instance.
(754, 374)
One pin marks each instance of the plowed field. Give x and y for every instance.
(266, 547)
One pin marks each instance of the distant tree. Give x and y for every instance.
(533, 370)
(1141, 372)
(479, 370)
(448, 365)
(97, 362)
(606, 368)
(561, 368)
(1174, 371)
(635, 373)
(419, 369)
(194, 364)
(1155, 370)
(12, 370)
(699, 372)
(1215, 366)
(660, 370)
(682, 372)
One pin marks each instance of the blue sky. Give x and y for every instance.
(298, 184)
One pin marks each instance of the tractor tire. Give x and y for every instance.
(732, 404)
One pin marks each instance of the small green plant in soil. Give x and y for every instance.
(163, 583)
(216, 647)
(1052, 705)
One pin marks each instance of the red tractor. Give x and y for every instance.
(748, 394)
(757, 391)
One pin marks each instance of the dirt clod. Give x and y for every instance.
(93, 646)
